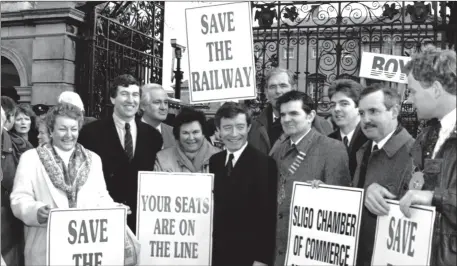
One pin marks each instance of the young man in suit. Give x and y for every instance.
(303, 154)
(125, 146)
(344, 100)
(383, 162)
(266, 128)
(244, 194)
(154, 104)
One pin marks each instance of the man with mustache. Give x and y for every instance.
(344, 99)
(244, 204)
(303, 154)
(154, 105)
(125, 146)
(266, 128)
(383, 163)
(432, 82)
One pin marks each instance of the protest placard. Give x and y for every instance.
(324, 225)
(220, 49)
(384, 67)
(401, 240)
(174, 218)
(86, 237)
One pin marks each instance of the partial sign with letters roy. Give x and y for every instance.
(384, 67)
(401, 240)
(80, 237)
(323, 231)
(174, 218)
(220, 48)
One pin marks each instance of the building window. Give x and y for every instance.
(288, 52)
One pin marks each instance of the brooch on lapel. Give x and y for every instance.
(417, 181)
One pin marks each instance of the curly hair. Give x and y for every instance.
(124, 80)
(432, 65)
(278, 70)
(186, 116)
(65, 110)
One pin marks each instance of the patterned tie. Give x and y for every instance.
(128, 142)
(229, 166)
(345, 141)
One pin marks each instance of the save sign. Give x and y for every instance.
(384, 67)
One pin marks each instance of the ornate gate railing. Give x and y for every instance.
(323, 41)
(123, 38)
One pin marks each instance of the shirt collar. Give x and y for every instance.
(448, 121)
(382, 142)
(349, 135)
(273, 116)
(236, 155)
(119, 122)
(159, 127)
(298, 141)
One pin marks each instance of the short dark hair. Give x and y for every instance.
(230, 110)
(124, 80)
(307, 102)
(188, 115)
(391, 96)
(9, 106)
(350, 88)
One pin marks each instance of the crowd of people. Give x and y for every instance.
(63, 159)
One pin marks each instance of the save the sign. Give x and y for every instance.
(401, 240)
(384, 67)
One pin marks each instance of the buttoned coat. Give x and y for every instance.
(390, 167)
(325, 159)
(34, 189)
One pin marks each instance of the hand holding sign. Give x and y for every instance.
(375, 199)
(415, 197)
(43, 214)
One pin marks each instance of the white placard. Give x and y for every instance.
(404, 241)
(174, 218)
(384, 67)
(324, 225)
(220, 49)
(81, 236)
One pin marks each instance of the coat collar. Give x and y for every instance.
(263, 116)
(394, 144)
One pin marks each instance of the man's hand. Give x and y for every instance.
(43, 214)
(374, 200)
(415, 197)
(315, 183)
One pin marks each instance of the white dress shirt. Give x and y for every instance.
(349, 136)
(298, 141)
(382, 142)
(447, 125)
(236, 155)
(120, 127)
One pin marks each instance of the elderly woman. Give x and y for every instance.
(192, 152)
(24, 124)
(60, 174)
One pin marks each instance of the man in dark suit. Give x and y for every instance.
(244, 194)
(266, 129)
(344, 100)
(125, 146)
(305, 155)
(154, 106)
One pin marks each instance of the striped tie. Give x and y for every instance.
(128, 142)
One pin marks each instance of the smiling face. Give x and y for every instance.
(234, 132)
(191, 136)
(65, 133)
(126, 102)
(344, 110)
(22, 123)
(294, 120)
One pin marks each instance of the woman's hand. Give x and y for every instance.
(43, 214)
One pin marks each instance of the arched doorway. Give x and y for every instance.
(10, 75)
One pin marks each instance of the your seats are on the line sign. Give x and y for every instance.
(220, 46)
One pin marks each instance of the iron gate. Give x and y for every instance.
(323, 41)
(120, 38)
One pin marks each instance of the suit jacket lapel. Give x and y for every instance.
(115, 142)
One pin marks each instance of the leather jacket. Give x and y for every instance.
(440, 174)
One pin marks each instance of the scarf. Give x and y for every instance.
(70, 179)
(20, 145)
(200, 159)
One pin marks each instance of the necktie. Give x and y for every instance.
(345, 141)
(229, 166)
(128, 142)
(364, 165)
(375, 148)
